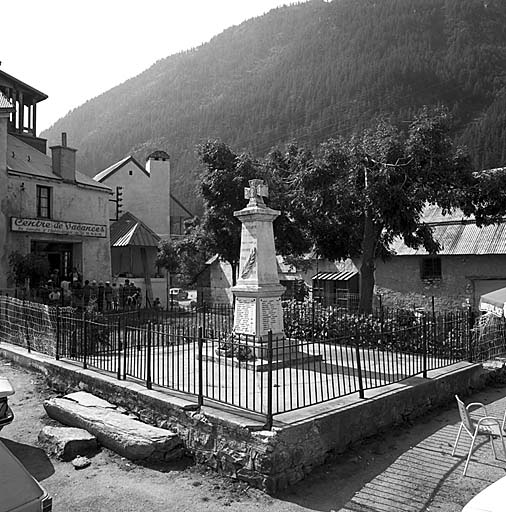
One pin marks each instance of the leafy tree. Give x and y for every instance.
(222, 189)
(32, 266)
(354, 196)
(187, 255)
(192, 251)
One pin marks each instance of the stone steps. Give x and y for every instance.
(114, 429)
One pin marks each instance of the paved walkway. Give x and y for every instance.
(408, 469)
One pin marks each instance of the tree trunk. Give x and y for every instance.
(368, 265)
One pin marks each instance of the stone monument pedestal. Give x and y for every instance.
(258, 309)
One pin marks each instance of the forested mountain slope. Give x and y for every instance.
(307, 72)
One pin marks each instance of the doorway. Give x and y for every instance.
(59, 255)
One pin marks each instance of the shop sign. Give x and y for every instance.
(58, 227)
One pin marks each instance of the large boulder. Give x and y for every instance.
(67, 442)
(123, 434)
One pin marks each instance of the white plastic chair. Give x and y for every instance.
(484, 426)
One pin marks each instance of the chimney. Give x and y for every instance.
(158, 167)
(64, 160)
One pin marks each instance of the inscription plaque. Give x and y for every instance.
(245, 315)
(271, 315)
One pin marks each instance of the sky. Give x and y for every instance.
(73, 50)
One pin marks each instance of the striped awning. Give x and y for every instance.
(344, 275)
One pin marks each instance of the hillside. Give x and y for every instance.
(308, 71)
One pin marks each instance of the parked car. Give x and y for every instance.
(19, 491)
(178, 294)
(6, 414)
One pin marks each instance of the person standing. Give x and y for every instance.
(108, 296)
(86, 293)
(100, 296)
(115, 296)
(65, 290)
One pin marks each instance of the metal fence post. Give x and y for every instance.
(204, 320)
(200, 374)
(85, 342)
(125, 351)
(58, 333)
(359, 363)
(312, 320)
(149, 384)
(269, 418)
(470, 325)
(27, 333)
(118, 374)
(425, 334)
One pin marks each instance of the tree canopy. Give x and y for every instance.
(221, 186)
(353, 197)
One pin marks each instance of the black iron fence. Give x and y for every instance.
(325, 354)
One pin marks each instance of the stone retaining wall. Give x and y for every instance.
(238, 446)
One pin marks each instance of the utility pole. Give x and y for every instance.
(118, 200)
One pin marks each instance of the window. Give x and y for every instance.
(431, 268)
(43, 202)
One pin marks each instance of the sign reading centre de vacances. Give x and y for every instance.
(58, 227)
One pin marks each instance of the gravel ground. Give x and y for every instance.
(405, 469)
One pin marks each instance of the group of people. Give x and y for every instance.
(103, 296)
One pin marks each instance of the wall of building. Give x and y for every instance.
(4, 218)
(127, 261)
(147, 197)
(70, 203)
(463, 280)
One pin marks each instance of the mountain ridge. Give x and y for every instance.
(307, 72)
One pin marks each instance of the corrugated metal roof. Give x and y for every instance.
(344, 275)
(130, 231)
(434, 214)
(5, 103)
(460, 239)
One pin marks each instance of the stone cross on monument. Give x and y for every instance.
(256, 192)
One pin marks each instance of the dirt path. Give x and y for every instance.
(407, 469)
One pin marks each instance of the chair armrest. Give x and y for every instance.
(478, 405)
(488, 418)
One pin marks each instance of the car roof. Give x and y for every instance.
(18, 486)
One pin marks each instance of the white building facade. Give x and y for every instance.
(46, 206)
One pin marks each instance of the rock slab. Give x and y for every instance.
(67, 442)
(124, 435)
(89, 400)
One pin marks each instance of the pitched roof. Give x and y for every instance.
(128, 230)
(176, 205)
(10, 81)
(460, 239)
(106, 173)
(457, 235)
(25, 159)
(177, 209)
(5, 103)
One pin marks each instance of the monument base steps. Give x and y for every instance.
(293, 359)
